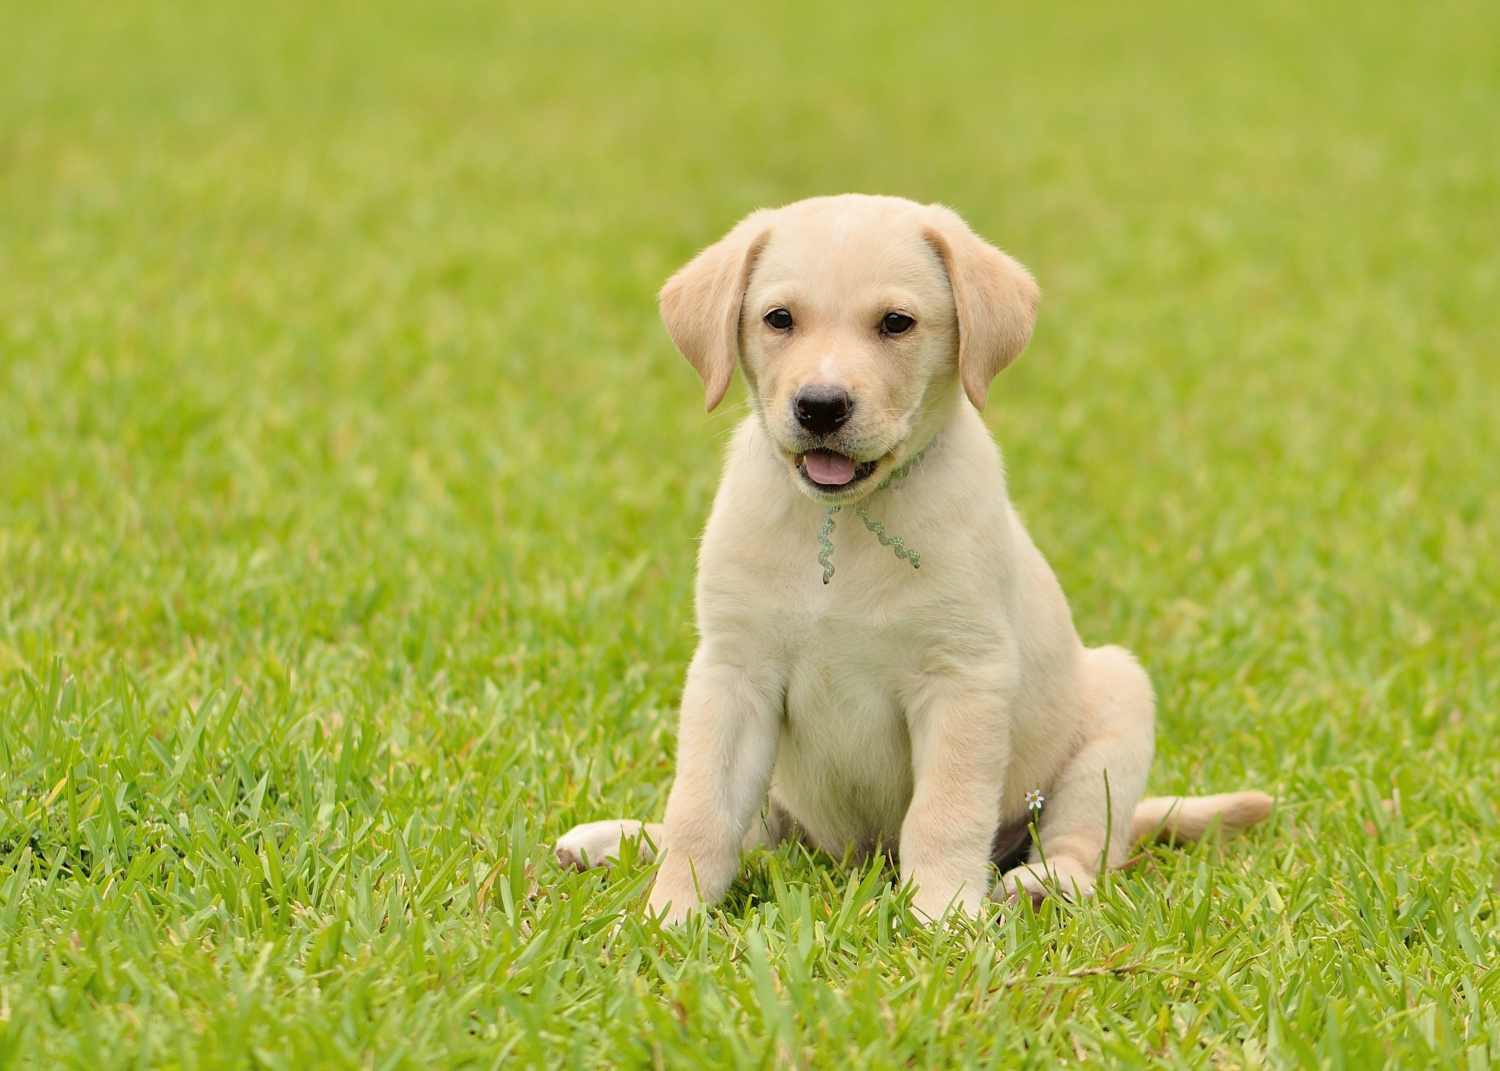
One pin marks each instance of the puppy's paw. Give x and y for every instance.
(671, 904)
(933, 902)
(1062, 876)
(595, 844)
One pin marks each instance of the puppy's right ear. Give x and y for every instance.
(701, 303)
(994, 296)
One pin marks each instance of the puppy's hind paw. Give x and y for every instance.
(1063, 877)
(596, 844)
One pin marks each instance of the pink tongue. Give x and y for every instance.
(828, 468)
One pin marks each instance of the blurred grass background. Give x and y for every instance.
(349, 490)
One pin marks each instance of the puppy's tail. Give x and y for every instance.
(1180, 818)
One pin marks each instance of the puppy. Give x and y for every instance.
(885, 659)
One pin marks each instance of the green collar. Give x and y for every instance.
(896, 543)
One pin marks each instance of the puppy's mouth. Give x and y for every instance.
(829, 470)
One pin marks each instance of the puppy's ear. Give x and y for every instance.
(701, 303)
(995, 296)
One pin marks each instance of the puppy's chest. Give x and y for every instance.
(845, 711)
(858, 641)
(842, 668)
(844, 759)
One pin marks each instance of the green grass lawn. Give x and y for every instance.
(349, 494)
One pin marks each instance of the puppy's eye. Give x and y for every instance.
(779, 319)
(896, 323)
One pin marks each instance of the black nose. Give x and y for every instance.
(822, 409)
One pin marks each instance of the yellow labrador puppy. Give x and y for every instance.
(885, 658)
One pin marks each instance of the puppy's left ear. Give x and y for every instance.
(701, 303)
(995, 296)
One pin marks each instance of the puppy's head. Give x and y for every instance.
(853, 318)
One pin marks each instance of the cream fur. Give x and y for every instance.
(892, 708)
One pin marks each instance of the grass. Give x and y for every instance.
(349, 490)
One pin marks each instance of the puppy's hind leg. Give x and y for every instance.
(1086, 821)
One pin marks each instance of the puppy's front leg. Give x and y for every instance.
(960, 748)
(726, 747)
